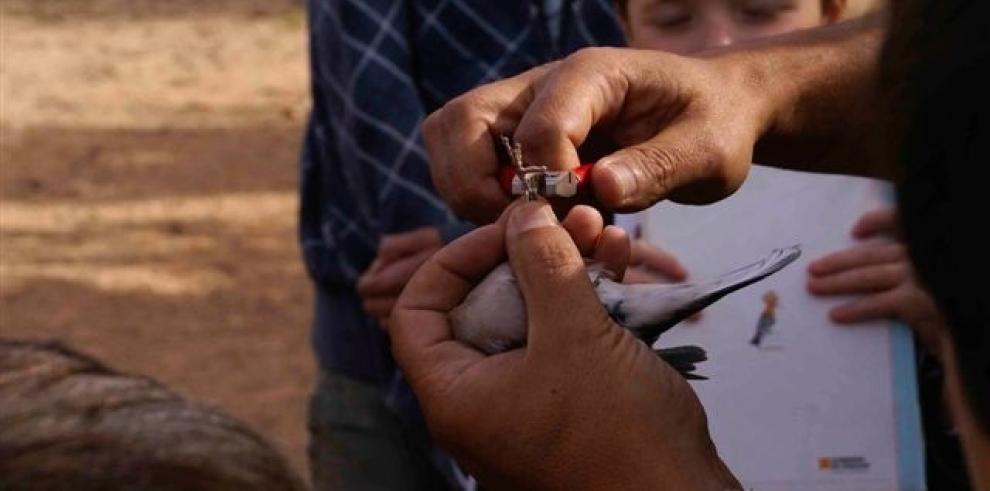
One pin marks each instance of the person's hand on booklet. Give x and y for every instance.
(651, 264)
(880, 273)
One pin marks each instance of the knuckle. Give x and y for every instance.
(458, 199)
(458, 110)
(431, 125)
(716, 156)
(540, 134)
(388, 242)
(588, 56)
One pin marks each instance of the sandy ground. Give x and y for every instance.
(148, 201)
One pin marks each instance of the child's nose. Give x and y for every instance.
(719, 33)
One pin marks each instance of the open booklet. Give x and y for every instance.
(794, 401)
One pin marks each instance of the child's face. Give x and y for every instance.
(688, 26)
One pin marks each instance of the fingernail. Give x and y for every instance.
(623, 180)
(531, 216)
(626, 180)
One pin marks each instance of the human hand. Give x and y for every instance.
(651, 264)
(684, 131)
(585, 405)
(399, 256)
(880, 273)
(663, 126)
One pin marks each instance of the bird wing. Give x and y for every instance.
(649, 310)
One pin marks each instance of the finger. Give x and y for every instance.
(908, 304)
(455, 269)
(561, 305)
(879, 222)
(883, 305)
(585, 225)
(658, 260)
(639, 276)
(379, 307)
(567, 102)
(422, 340)
(591, 89)
(858, 257)
(392, 278)
(688, 161)
(395, 246)
(613, 250)
(609, 245)
(424, 349)
(860, 280)
(460, 140)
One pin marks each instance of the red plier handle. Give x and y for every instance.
(556, 184)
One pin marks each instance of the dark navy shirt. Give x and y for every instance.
(378, 68)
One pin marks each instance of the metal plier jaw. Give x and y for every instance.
(532, 181)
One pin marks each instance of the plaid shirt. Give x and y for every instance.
(378, 68)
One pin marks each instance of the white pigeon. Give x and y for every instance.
(492, 317)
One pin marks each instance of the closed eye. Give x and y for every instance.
(670, 15)
(764, 11)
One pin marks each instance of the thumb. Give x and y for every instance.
(685, 162)
(561, 304)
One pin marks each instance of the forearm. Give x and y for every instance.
(820, 97)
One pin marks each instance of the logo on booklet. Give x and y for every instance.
(843, 464)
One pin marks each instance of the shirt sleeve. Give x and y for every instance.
(364, 171)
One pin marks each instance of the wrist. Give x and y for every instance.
(693, 466)
(704, 473)
(761, 94)
(813, 96)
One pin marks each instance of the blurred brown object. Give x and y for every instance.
(67, 422)
(148, 195)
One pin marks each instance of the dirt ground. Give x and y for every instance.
(148, 196)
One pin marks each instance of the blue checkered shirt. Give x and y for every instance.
(378, 67)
